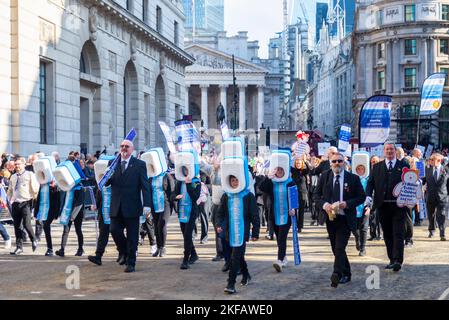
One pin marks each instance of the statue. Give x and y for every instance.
(220, 114)
(133, 47)
(93, 22)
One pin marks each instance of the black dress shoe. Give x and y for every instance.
(49, 253)
(60, 253)
(397, 266)
(193, 258)
(230, 289)
(184, 265)
(430, 234)
(345, 279)
(362, 253)
(17, 252)
(94, 259)
(217, 258)
(225, 267)
(389, 266)
(122, 260)
(156, 253)
(130, 268)
(79, 253)
(34, 245)
(335, 280)
(246, 279)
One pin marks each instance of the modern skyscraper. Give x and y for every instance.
(348, 6)
(203, 16)
(321, 17)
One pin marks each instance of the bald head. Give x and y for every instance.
(126, 149)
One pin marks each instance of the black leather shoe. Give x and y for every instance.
(130, 269)
(17, 252)
(225, 267)
(389, 266)
(162, 252)
(122, 260)
(185, 265)
(79, 253)
(156, 253)
(246, 279)
(345, 279)
(193, 258)
(357, 245)
(397, 266)
(60, 253)
(230, 289)
(217, 258)
(335, 280)
(94, 259)
(34, 245)
(362, 253)
(49, 253)
(430, 234)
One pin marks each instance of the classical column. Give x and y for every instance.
(223, 99)
(242, 107)
(361, 84)
(260, 106)
(186, 101)
(390, 65)
(204, 106)
(425, 59)
(397, 71)
(433, 55)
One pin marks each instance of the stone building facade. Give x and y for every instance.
(79, 74)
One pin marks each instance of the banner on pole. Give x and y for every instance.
(166, 131)
(345, 135)
(374, 121)
(432, 94)
(188, 137)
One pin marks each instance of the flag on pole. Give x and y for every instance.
(432, 94)
(374, 121)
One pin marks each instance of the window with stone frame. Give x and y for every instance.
(445, 12)
(410, 47)
(381, 80)
(444, 46)
(177, 90)
(145, 15)
(446, 71)
(158, 19)
(381, 50)
(410, 77)
(410, 13)
(176, 33)
(46, 103)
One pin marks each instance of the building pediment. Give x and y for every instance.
(212, 60)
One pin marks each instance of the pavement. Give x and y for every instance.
(34, 276)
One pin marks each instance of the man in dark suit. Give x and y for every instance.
(384, 177)
(129, 185)
(340, 186)
(437, 182)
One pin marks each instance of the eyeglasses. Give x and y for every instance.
(337, 161)
(124, 146)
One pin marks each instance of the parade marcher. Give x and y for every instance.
(23, 189)
(202, 204)
(161, 186)
(437, 183)
(361, 168)
(68, 177)
(48, 203)
(187, 192)
(339, 192)
(237, 211)
(276, 185)
(130, 196)
(300, 171)
(103, 205)
(375, 230)
(383, 179)
(147, 228)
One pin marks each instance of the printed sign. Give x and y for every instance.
(409, 191)
(322, 148)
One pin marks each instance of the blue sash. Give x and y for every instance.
(158, 193)
(44, 202)
(185, 205)
(67, 209)
(281, 202)
(236, 218)
(106, 207)
(364, 182)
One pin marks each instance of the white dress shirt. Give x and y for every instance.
(342, 181)
(393, 163)
(127, 162)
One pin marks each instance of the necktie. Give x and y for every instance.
(435, 174)
(123, 166)
(16, 187)
(336, 190)
(390, 165)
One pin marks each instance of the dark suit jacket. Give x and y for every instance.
(322, 167)
(353, 194)
(437, 191)
(127, 189)
(377, 181)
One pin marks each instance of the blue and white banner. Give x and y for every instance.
(166, 131)
(110, 170)
(44, 202)
(188, 137)
(432, 94)
(374, 121)
(296, 251)
(345, 135)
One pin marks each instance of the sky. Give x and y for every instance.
(261, 18)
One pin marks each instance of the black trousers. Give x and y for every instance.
(281, 237)
(78, 229)
(339, 234)
(187, 233)
(437, 215)
(392, 220)
(237, 263)
(374, 224)
(21, 215)
(408, 233)
(204, 219)
(127, 246)
(147, 228)
(160, 221)
(300, 211)
(103, 236)
(361, 233)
